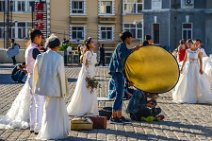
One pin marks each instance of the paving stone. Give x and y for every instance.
(182, 122)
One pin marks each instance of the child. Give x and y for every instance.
(49, 81)
(116, 70)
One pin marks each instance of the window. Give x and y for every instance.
(1, 30)
(133, 6)
(187, 4)
(156, 33)
(106, 7)
(156, 4)
(187, 31)
(21, 6)
(12, 5)
(77, 33)
(18, 30)
(22, 30)
(29, 8)
(135, 29)
(106, 32)
(12, 32)
(2, 5)
(78, 7)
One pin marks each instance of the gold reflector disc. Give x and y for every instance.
(152, 69)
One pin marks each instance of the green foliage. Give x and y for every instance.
(63, 47)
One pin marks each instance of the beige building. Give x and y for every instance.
(21, 20)
(76, 20)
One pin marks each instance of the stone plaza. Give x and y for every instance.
(182, 121)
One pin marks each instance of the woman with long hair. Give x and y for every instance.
(84, 100)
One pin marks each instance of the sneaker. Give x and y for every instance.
(116, 121)
(31, 129)
(160, 118)
(125, 121)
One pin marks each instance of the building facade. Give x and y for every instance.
(103, 20)
(20, 20)
(169, 21)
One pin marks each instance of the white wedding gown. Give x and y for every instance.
(192, 86)
(17, 116)
(207, 61)
(83, 102)
(55, 120)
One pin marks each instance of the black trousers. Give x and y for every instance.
(145, 113)
(102, 61)
(14, 60)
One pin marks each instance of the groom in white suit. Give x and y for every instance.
(37, 101)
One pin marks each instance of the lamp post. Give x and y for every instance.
(7, 23)
(32, 4)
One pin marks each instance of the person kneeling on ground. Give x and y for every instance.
(19, 72)
(140, 108)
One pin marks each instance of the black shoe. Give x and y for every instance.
(21, 82)
(125, 121)
(36, 133)
(116, 121)
(31, 131)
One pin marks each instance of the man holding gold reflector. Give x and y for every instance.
(151, 69)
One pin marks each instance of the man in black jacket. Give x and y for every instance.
(102, 55)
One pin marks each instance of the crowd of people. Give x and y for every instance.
(40, 104)
(194, 85)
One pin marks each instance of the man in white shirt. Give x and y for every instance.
(37, 101)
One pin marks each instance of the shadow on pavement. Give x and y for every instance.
(75, 139)
(184, 128)
(6, 79)
(6, 66)
(131, 135)
(72, 80)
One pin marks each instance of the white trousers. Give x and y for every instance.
(36, 109)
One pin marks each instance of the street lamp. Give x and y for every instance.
(32, 4)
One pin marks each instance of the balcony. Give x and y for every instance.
(78, 19)
(107, 19)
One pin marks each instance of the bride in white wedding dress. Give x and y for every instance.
(18, 115)
(84, 101)
(193, 85)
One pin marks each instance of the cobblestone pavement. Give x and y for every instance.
(183, 121)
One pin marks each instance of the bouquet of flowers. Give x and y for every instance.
(92, 83)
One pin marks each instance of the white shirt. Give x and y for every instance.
(30, 61)
(69, 50)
